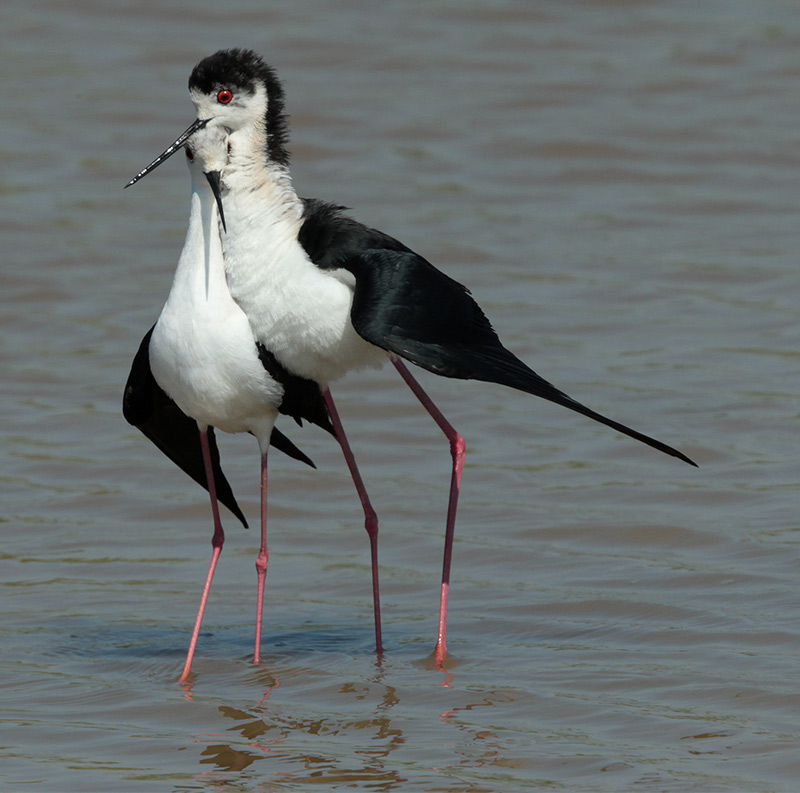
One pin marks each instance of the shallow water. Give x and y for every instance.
(617, 184)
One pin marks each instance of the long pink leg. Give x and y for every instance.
(370, 516)
(457, 451)
(261, 560)
(216, 543)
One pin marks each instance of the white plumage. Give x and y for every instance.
(301, 312)
(203, 351)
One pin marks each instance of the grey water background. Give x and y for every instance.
(618, 184)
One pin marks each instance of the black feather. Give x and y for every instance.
(147, 407)
(302, 398)
(403, 304)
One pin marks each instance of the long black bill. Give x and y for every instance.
(170, 150)
(213, 179)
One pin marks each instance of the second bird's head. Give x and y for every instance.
(207, 154)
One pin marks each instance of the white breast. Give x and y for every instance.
(203, 351)
(300, 312)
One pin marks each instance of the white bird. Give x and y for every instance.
(201, 364)
(328, 295)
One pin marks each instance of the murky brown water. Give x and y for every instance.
(617, 182)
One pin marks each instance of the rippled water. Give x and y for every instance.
(617, 184)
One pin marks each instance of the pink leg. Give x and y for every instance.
(216, 543)
(261, 560)
(457, 451)
(370, 517)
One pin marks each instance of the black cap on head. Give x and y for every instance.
(242, 70)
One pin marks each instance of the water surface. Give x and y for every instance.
(617, 184)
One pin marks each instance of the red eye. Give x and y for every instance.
(224, 96)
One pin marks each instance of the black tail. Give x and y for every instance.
(283, 444)
(403, 304)
(493, 363)
(503, 367)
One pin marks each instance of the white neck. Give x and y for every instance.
(257, 187)
(200, 275)
(263, 215)
(298, 311)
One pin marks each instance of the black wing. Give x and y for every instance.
(403, 304)
(146, 406)
(302, 398)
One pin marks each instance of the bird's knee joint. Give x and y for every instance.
(371, 523)
(458, 447)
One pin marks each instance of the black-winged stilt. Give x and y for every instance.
(200, 367)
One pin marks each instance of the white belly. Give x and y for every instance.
(206, 360)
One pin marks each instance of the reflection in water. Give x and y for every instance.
(483, 746)
(350, 750)
(226, 758)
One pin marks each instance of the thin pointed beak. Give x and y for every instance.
(170, 150)
(213, 179)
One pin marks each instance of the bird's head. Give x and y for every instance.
(235, 91)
